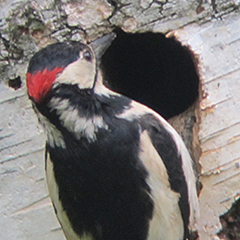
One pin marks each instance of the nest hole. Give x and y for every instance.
(161, 73)
(152, 69)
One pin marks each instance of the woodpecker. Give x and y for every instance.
(116, 170)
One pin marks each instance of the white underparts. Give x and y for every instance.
(79, 126)
(61, 214)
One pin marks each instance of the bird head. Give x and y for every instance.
(69, 62)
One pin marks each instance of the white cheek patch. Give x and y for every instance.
(80, 126)
(79, 72)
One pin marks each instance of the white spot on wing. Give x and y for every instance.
(166, 223)
(137, 110)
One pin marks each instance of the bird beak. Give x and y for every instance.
(100, 45)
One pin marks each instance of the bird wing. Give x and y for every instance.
(169, 164)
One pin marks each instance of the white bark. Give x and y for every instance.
(217, 45)
(25, 208)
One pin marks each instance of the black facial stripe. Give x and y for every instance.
(89, 103)
(55, 55)
(86, 101)
(166, 148)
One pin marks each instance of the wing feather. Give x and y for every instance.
(158, 129)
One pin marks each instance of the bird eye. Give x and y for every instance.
(87, 56)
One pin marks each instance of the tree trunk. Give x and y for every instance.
(209, 28)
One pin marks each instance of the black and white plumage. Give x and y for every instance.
(115, 168)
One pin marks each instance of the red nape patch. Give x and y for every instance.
(40, 83)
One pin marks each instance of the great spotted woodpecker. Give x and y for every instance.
(116, 170)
